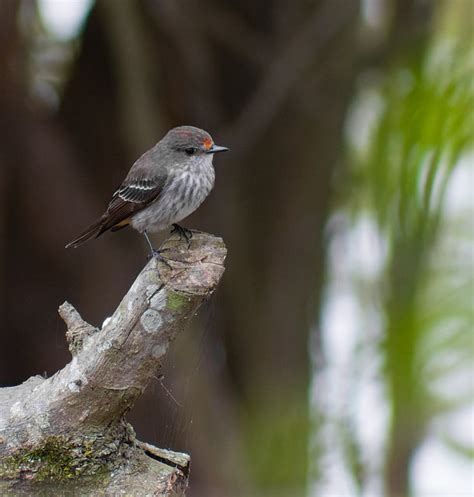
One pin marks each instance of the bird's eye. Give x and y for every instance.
(190, 150)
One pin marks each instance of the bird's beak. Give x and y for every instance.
(216, 149)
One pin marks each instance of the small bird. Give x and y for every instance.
(163, 186)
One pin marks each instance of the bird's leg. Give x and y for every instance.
(154, 252)
(183, 232)
(152, 249)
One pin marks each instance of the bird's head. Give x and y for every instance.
(188, 145)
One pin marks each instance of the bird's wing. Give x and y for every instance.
(133, 195)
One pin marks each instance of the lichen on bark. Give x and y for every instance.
(60, 457)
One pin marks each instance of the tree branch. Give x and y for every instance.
(69, 429)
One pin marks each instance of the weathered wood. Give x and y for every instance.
(68, 432)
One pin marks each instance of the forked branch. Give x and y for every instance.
(68, 432)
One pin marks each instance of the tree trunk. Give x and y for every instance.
(67, 433)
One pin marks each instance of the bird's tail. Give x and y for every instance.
(93, 231)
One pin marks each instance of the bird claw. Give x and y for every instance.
(156, 254)
(183, 232)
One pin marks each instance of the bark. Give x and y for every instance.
(67, 433)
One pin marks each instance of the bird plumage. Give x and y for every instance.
(163, 186)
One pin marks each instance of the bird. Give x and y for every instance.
(165, 185)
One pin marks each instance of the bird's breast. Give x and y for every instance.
(183, 193)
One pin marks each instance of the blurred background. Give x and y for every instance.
(335, 359)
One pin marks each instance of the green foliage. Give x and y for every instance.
(424, 131)
(412, 136)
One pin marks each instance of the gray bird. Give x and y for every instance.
(163, 186)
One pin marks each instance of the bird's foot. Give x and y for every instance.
(156, 254)
(183, 233)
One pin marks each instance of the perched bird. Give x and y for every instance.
(163, 186)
